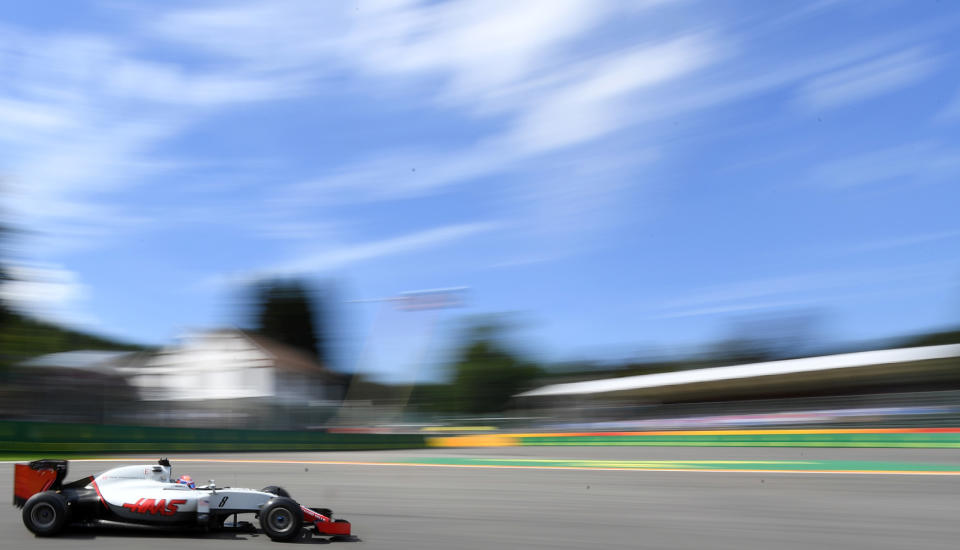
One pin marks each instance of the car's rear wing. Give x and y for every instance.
(36, 477)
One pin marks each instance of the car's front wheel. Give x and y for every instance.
(46, 514)
(281, 519)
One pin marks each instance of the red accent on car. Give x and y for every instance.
(325, 525)
(99, 494)
(310, 515)
(154, 507)
(173, 506)
(339, 527)
(28, 482)
(134, 507)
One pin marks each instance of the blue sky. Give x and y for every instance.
(628, 176)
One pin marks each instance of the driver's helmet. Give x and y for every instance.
(188, 481)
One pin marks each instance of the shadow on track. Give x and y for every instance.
(94, 531)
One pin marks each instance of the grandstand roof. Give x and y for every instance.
(753, 370)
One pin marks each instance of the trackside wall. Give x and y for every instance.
(48, 437)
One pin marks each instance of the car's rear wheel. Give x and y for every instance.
(281, 519)
(46, 514)
(274, 490)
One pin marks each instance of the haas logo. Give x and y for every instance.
(154, 507)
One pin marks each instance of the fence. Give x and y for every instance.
(48, 437)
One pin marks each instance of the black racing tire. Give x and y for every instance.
(281, 519)
(274, 490)
(46, 514)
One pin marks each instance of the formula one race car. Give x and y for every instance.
(146, 494)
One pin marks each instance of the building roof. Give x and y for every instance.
(288, 357)
(283, 357)
(754, 370)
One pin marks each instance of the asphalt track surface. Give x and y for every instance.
(480, 507)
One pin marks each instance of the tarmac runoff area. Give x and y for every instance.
(576, 497)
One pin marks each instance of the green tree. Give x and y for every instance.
(4, 312)
(486, 375)
(286, 311)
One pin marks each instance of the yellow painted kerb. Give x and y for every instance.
(485, 440)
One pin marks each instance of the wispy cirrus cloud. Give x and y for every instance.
(492, 58)
(496, 58)
(908, 240)
(83, 120)
(19, 117)
(84, 117)
(481, 50)
(805, 289)
(335, 258)
(867, 79)
(590, 104)
(599, 101)
(519, 66)
(559, 107)
(952, 110)
(917, 162)
(331, 258)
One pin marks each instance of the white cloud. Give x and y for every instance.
(803, 289)
(401, 174)
(921, 161)
(517, 63)
(747, 293)
(17, 116)
(908, 240)
(280, 35)
(545, 79)
(326, 259)
(47, 291)
(803, 11)
(296, 230)
(490, 55)
(81, 71)
(345, 255)
(56, 189)
(558, 105)
(586, 103)
(168, 84)
(566, 205)
(952, 110)
(599, 102)
(479, 48)
(733, 308)
(868, 79)
(82, 116)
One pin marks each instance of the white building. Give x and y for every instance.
(235, 365)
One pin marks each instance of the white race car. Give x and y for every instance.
(146, 494)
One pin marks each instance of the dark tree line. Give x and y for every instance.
(288, 311)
